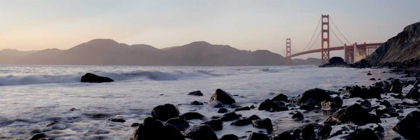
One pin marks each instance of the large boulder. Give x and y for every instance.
(335, 62)
(353, 114)
(165, 112)
(333, 104)
(92, 78)
(272, 106)
(200, 132)
(215, 124)
(223, 97)
(263, 124)
(409, 126)
(365, 93)
(152, 129)
(414, 92)
(313, 97)
(280, 97)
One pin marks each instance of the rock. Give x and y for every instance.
(117, 119)
(223, 97)
(196, 103)
(372, 79)
(200, 132)
(386, 103)
(269, 105)
(296, 132)
(263, 124)
(258, 136)
(409, 126)
(413, 93)
(191, 116)
(361, 64)
(215, 124)
(369, 73)
(366, 104)
(152, 129)
(284, 136)
(222, 110)
(365, 93)
(353, 114)
(324, 132)
(254, 117)
(92, 78)
(38, 136)
(229, 137)
(280, 97)
(230, 116)
(298, 116)
(179, 123)
(196, 93)
(333, 104)
(165, 112)
(242, 122)
(313, 97)
(242, 108)
(396, 86)
(135, 124)
(308, 132)
(365, 134)
(335, 62)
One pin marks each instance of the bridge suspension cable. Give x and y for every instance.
(313, 35)
(339, 31)
(314, 42)
(337, 36)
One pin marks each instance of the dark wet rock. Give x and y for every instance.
(386, 103)
(254, 117)
(152, 129)
(229, 137)
(223, 97)
(117, 119)
(369, 73)
(353, 114)
(308, 132)
(135, 124)
(191, 116)
(366, 104)
(92, 78)
(324, 132)
(200, 132)
(372, 79)
(313, 97)
(263, 124)
(230, 116)
(269, 105)
(242, 108)
(333, 104)
(391, 111)
(413, 93)
(258, 136)
(38, 136)
(296, 132)
(280, 97)
(196, 93)
(365, 134)
(361, 64)
(222, 110)
(215, 124)
(242, 122)
(165, 112)
(335, 62)
(365, 93)
(284, 136)
(179, 123)
(196, 103)
(396, 86)
(298, 116)
(218, 105)
(409, 126)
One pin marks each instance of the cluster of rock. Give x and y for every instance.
(335, 62)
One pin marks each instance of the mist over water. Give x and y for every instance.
(32, 97)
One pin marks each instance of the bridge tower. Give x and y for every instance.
(288, 51)
(325, 38)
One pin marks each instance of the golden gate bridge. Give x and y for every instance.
(352, 52)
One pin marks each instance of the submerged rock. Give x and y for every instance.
(353, 114)
(242, 122)
(223, 97)
(200, 132)
(165, 112)
(92, 78)
(196, 93)
(222, 110)
(409, 127)
(152, 129)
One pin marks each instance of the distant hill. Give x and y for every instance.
(110, 52)
(403, 47)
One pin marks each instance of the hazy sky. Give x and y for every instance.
(243, 24)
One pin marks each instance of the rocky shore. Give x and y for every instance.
(388, 109)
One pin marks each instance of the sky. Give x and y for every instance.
(243, 24)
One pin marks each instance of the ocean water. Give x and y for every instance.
(40, 98)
